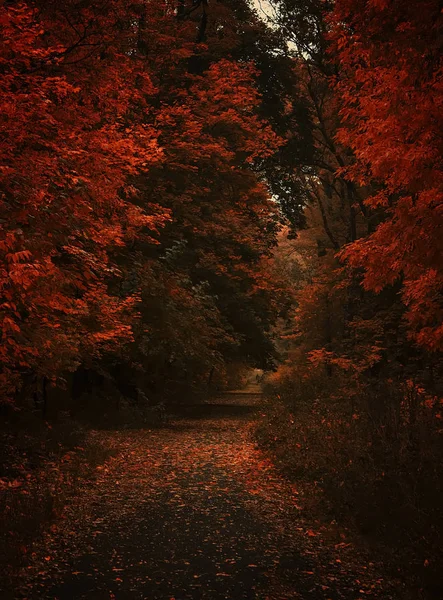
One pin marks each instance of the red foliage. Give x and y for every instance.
(72, 96)
(391, 87)
(101, 147)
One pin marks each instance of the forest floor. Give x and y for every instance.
(195, 510)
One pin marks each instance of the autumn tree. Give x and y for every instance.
(134, 200)
(72, 92)
(343, 177)
(390, 59)
(222, 221)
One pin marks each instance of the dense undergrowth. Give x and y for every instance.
(373, 469)
(42, 465)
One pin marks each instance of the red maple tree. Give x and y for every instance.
(391, 88)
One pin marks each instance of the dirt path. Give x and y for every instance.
(194, 511)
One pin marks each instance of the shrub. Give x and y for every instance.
(374, 451)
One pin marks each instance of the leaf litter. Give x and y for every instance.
(195, 510)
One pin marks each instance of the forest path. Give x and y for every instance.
(193, 510)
